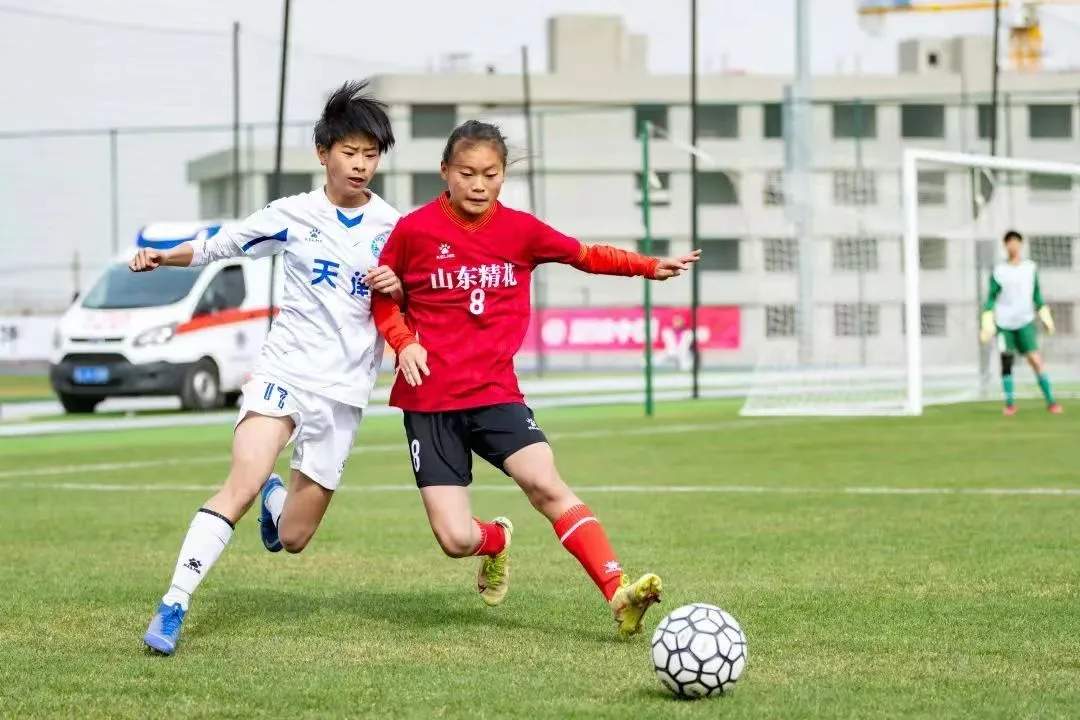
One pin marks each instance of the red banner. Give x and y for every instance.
(622, 329)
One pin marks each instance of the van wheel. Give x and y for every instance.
(79, 403)
(231, 398)
(202, 388)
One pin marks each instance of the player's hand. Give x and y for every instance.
(987, 327)
(412, 364)
(382, 279)
(146, 259)
(674, 266)
(1047, 319)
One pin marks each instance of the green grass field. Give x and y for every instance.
(17, 388)
(871, 573)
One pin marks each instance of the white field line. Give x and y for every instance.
(605, 489)
(50, 470)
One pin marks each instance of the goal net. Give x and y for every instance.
(915, 248)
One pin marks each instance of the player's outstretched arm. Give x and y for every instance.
(148, 259)
(607, 260)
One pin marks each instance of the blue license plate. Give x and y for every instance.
(90, 375)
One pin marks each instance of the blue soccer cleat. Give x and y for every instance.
(266, 523)
(164, 630)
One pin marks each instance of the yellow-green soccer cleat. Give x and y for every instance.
(493, 578)
(631, 600)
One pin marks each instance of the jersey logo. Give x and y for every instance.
(378, 243)
(324, 270)
(445, 252)
(313, 236)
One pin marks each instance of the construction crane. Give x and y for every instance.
(1025, 33)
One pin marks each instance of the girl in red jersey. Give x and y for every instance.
(465, 262)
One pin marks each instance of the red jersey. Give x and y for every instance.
(467, 298)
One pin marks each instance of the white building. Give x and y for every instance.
(595, 94)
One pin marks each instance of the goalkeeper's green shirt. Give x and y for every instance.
(1014, 294)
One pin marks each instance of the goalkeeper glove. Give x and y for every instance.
(989, 329)
(1047, 318)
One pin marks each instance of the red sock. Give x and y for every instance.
(492, 538)
(584, 537)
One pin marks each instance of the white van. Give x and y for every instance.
(191, 332)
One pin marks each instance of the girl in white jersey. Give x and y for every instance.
(1012, 304)
(319, 362)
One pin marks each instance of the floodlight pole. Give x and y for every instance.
(797, 139)
(646, 248)
(236, 119)
(275, 182)
(695, 271)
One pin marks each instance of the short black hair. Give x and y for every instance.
(352, 111)
(1012, 234)
(474, 132)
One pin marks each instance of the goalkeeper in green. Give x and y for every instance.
(1011, 306)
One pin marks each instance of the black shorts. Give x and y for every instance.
(441, 444)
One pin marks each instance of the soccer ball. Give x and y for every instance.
(698, 650)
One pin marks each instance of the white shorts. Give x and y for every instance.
(323, 430)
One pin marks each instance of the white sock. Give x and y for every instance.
(275, 503)
(207, 536)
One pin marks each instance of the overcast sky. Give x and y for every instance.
(140, 62)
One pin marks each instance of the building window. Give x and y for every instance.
(933, 253)
(1049, 121)
(773, 125)
(932, 316)
(773, 193)
(781, 255)
(376, 184)
(720, 254)
(291, 184)
(1052, 251)
(922, 121)
(854, 187)
(931, 187)
(1063, 317)
(984, 121)
(854, 120)
(779, 321)
(718, 121)
(433, 121)
(1040, 183)
(661, 247)
(856, 320)
(717, 188)
(655, 114)
(855, 253)
(426, 187)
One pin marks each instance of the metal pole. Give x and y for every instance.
(275, 182)
(912, 309)
(236, 118)
(695, 272)
(646, 246)
(797, 138)
(114, 191)
(530, 176)
(994, 80)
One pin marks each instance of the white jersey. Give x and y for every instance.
(324, 338)
(1015, 295)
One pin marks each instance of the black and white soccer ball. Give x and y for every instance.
(699, 650)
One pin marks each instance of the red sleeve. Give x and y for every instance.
(391, 323)
(550, 245)
(389, 320)
(607, 260)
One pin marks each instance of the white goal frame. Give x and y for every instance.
(910, 198)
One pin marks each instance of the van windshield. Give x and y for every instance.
(121, 288)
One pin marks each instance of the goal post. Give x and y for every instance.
(896, 335)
